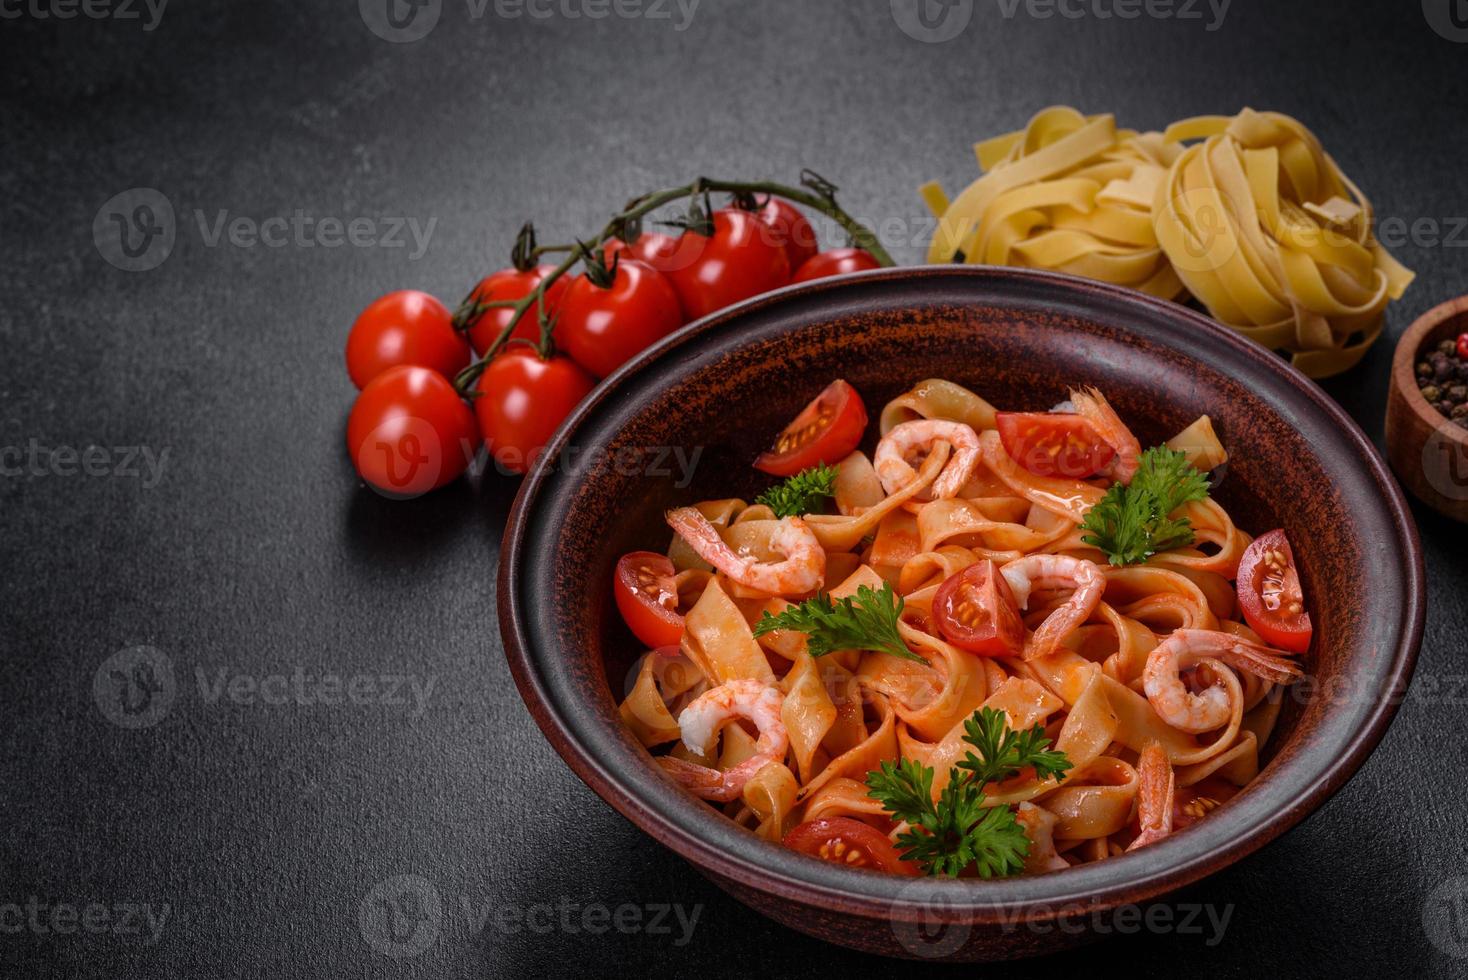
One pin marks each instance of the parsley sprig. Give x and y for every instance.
(867, 622)
(1131, 523)
(802, 493)
(959, 830)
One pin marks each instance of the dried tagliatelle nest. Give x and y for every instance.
(1246, 213)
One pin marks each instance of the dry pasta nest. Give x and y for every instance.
(1247, 214)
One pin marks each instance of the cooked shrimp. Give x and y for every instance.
(1207, 709)
(1155, 794)
(908, 438)
(1039, 826)
(1091, 404)
(803, 569)
(700, 723)
(1043, 571)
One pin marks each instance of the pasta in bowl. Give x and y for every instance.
(871, 662)
(681, 426)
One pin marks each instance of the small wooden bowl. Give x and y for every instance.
(1428, 452)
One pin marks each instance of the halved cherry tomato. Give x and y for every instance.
(1192, 803)
(512, 284)
(836, 262)
(1053, 443)
(602, 327)
(825, 431)
(409, 432)
(648, 599)
(1270, 595)
(522, 401)
(790, 230)
(849, 842)
(407, 327)
(976, 610)
(740, 260)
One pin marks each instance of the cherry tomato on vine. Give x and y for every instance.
(664, 253)
(1270, 595)
(407, 327)
(836, 262)
(512, 284)
(825, 431)
(739, 261)
(602, 327)
(791, 231)
(523, 399)
(409, 432)
(976, 610)
(1053, 443)
(849, 842)
(647, 598)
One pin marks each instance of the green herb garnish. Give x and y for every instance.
(867, 623)
(959, 830)
(1131, 523)
(802, 493)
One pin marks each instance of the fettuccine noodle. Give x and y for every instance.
(1248, 214)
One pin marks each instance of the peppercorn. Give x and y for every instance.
(1444, 370)
(1448, 347)
(1432, 393)
(1459, 411)
(1462, 370)
(1424, 370)
(1444, 407)
(1458, 393)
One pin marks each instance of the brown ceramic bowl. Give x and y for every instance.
(724, 385)
(1429, 453)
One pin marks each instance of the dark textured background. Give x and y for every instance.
(263, 827)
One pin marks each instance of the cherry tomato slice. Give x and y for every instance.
(1191, 804)
(849, 842)
(648, 599)
(1270, 595)
(1053, 443)
(836, 262)
(825, 431)
(976, 610)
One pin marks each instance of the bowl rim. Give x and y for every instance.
(968, 900)
(1404, 360)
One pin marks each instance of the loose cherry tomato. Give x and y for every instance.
(836, 262)
(523, 400)
(507, 285)
(1463, 346)
(1270, 595)
(790, 230)
(825, 431)
(976, 610)
(849, 842)
(405, 327)
(648, 599)
(1053, 443)
(409, 432)
(740, 260)
(603, 327)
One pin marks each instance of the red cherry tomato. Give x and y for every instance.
(740, 260)
(512, 284)
(648, 599)
(836, 262)
(1053, 443)
(1192, 803)
(409, 432)
(602, 328)
(1270, 595)
(405, 327)
(849, 842)
(976, 610)
(523, 400)
(825, 431)
(790, 230)
(1463, 346)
